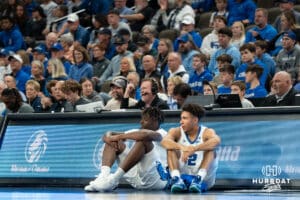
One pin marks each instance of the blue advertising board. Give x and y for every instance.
(253, 153)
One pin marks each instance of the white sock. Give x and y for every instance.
(174, 173)
(119, 173)
(105, 170)
(202, 172)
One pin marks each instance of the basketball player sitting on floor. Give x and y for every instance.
(190, 153)
(138, 163)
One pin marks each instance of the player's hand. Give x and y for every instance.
(185, 155)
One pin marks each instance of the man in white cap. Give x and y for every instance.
(21, 77)
(79, 33)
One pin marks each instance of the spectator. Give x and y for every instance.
(114, 67)
(66, 41)
(261, 53)
(255, 90)
(210, 42)
(262, 30)
(95, 6)
(227, 77)
(32, 91)
(200, 73)
(172, 82)
(288, 59)
(165, 46)
(286, 5)
(238, 34)
(175, 17)
(99, 62)
(21, 18)
(11, 38)
(123, 9)
(98, 21)
(134, 79)
(48, 7)
(56, 70)
(149, 68)
(21, 77)
(72, 90)
(126, 66)
(221, 61)
(13, 102)
(210, 88)
(142, 14)
(118, 87)
(81, 68)
(36, 25)
(201, 6)
(284, 93)
(104, 38)
(181, 93)
(149, 90)
(80, 34)
(241, 10)
(88, 91)
(57, 51)
(239, 87)
(221, 10)
(37, 74)
(224, 37)
(248, 58)
(187, 49)
(11, 82)
(115, 23)
(150, 32)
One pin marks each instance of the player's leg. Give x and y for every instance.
(109, 156)
(198, 185)
(173, 158)
(136, 153)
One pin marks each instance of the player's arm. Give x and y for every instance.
(210, 141)
(139, 135)
(169, 142)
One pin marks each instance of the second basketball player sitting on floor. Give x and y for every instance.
(191, 153)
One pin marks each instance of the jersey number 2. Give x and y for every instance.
(192, 160)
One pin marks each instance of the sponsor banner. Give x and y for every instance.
(262, 151)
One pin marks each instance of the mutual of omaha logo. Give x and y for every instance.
(97, 155)
(36, 146)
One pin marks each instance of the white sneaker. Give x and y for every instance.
(90, 188)
(106, 185)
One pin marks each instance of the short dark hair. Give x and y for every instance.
(182, 89)
(249, 46)
(154, 113)
(71, 85)
(240, 84)
(202, 57)
(262, 44)
(224, 58)
(255, 68)
(194, 109)
(227, 68)
(226, 31)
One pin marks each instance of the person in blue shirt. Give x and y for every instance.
(227, 76)
(261, 53)
(224, 37)
(188, 26)
(81, 68)
(11, 39)
(200, 73)
(255, 90)
(241, 10)
(96, 6)
(262, 30)
(248, 57)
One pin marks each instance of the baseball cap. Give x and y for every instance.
(5, 52)
(185, 38)
(57, 47)
(39, 49)
(72, 17)
(188, 20)
(118, 39)
(119, 81)
(16, 57)
(106, 31)
(142, 40)
(290, 34)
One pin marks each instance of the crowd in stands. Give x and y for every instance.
(58, 54)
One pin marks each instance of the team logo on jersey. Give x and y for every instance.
(97, 155)
(36, 146)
